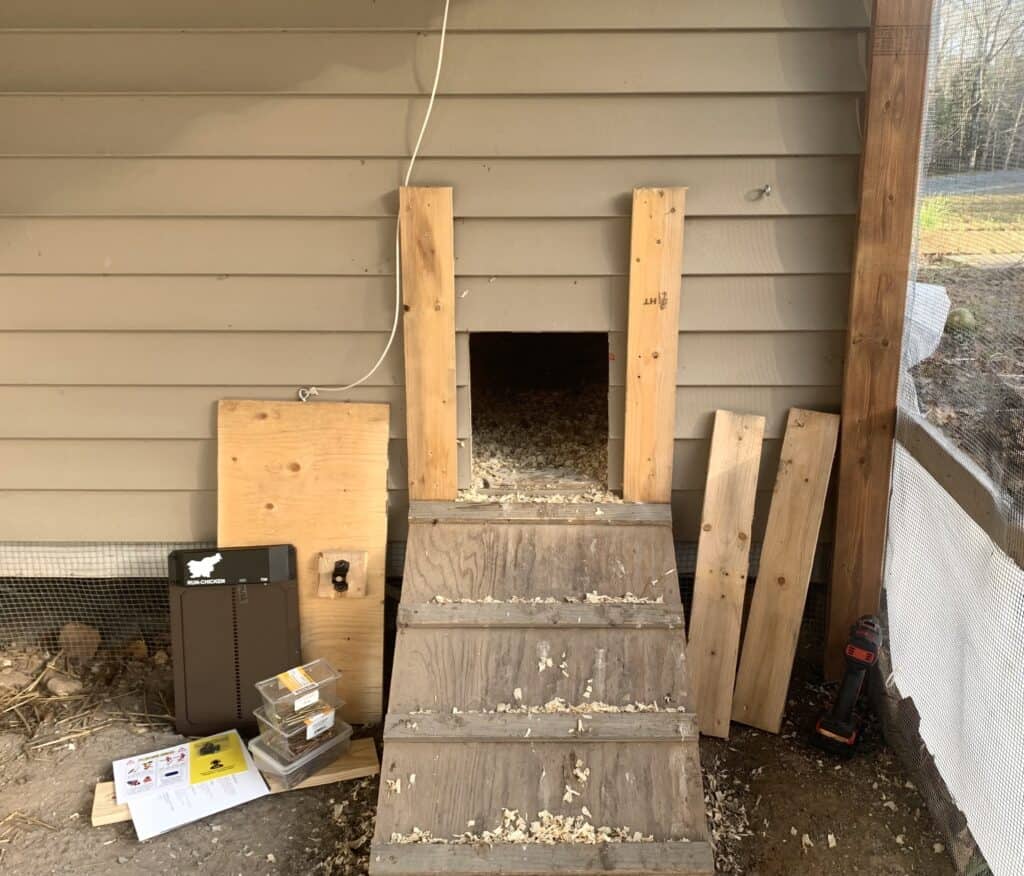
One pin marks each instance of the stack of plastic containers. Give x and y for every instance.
(300, 732)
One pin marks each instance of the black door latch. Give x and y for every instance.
(340, 575)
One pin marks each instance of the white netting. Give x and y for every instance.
(954, 584)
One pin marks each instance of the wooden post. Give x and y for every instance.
(888, 192)
(652, 346)
(428, 296)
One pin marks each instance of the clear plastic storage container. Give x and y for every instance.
(299, 732)
(296, 690)
(288, 775)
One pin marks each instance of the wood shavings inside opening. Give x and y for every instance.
(540, 417)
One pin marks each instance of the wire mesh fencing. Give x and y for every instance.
(101, 597)
(954, 582)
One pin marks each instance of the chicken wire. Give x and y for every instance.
(954, 586)
(119, 590)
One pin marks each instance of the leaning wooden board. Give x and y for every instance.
(655, 267)
(784, 572)
(723, 553)
(315, 475)
(356, 763)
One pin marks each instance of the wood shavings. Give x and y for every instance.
(728, 823)
(558, 706)
(546, 829)
(518, 694)
(569, 794)
(581, 772)
(394, 785)
(592, 598)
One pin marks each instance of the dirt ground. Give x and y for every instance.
(972, 387)
(773, 802)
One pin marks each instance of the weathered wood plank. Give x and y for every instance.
(624, 859)
(536, 615)
(475, 781)
(538, 559)
(784, 573)
(428, 295)
(526, 512)
(652, 345)
(542, 727)
(885, 231)
(722, 560)
(314, 475)
(477, 670)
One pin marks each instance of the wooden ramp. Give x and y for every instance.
(502, 665)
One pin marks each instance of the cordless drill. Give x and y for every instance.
(839, 730)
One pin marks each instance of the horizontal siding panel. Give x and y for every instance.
(515, 304)
(460, 126)
(727, 303)
(483, 247)
(162, 412)
(200, 359)
(143, 465)
(696, 406)
(403, 63)
(690, 463)
(494, 188)
(77, 515)
(420, 14)
(748, 358)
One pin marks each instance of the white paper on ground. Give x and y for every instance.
(175, 786)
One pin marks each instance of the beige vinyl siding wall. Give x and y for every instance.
(197, 202)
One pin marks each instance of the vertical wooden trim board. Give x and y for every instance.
(723, 555)
(428, 295)
(895, 108)
(655, 269)
(314, 475)
(784, 571)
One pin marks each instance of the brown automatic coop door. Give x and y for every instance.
(234, 621)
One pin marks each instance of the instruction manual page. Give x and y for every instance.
(175, 786)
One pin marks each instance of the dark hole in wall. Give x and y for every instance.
(540, 411)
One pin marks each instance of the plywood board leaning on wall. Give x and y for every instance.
(784, 570)
(428, 296)
(723, 557)
(315, 475)
(655, 269)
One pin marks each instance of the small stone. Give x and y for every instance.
(121, 859)
(961, 319)
(938, 848)
(79, 641)
(900, 839)
(160, 658)
(832, 843)
(270, 858)
(137, 650)
(60, 686)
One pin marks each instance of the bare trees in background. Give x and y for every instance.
(977, 95)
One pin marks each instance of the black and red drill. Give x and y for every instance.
(839, 730)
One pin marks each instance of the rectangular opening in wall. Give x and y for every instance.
(540, 414)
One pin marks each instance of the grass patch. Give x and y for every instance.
(978, 223)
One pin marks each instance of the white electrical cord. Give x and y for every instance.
(307, 392)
